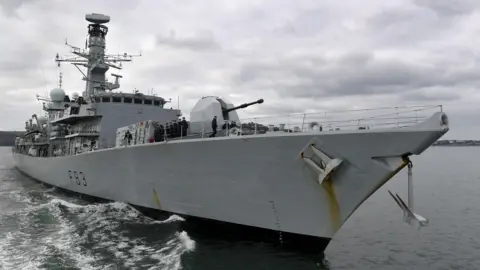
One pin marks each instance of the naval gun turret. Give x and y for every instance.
(203, 112)
(245, 105)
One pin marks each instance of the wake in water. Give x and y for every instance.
(54, 232)
(44, 228)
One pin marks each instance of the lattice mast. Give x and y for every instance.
(94, 59)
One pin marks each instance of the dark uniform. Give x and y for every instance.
(214, 126)
(175, 130)
(168, 131)
(159, 133)
(128, 137)
(184, 127)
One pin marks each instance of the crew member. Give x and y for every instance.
(128, 137)
(159, 133)
(180, 127)
(168, 130)
(184, 126)
(176, 129)
(214, 126)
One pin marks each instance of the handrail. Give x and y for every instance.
(348, 111)
(398, 116)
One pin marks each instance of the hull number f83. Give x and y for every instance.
(77, 177)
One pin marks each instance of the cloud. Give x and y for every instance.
(431, 95)
(298, 55)
(449, 8)
(199, 41)
(9, 7)
(355, 74)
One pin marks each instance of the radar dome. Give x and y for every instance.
(97, 18)
(41, 120)
(57, 95)
(75, 95)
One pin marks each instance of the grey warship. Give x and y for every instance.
(126, 146)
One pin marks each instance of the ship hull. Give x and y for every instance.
(255, 181)
(221, 231)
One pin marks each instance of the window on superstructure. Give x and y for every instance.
(138, 101)
(97, 99)
(148, 102)
(127, 100)
(156, 102)
(116, 99)
(105, 99)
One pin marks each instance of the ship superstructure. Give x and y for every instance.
(302, 178)
(88, 122)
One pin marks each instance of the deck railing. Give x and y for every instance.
(386, 117)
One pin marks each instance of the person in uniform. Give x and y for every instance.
(184, 126)
(128, 137)
(168, 131)
(214, 126)
(159, 133)
(175, 129)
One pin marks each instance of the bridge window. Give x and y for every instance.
(156, 102)
(116, 99)
(97, 99)
(147, 102)
(138, 101)
(105, 99)
(127, 100)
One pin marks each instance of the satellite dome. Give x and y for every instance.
(57, 95)
(75, 95)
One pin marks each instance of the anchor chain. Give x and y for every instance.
(409, 216)
(409, 164)
(410, 185)
(407, 160)
(409, 182)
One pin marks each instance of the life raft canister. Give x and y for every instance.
(235, 131)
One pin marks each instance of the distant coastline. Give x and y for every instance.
(7, 138)
(457, 143)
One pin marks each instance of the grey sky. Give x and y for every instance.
(297, 55)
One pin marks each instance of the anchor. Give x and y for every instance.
(409, 217)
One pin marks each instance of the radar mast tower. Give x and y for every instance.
(60, 80)
(95, 59)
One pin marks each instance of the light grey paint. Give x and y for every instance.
(115, 115)
(236, 179)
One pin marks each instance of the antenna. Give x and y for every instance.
(94, 58)
(44, 80)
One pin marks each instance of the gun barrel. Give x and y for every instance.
(260, 101)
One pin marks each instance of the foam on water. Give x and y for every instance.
(60, 232)
(43, 229)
